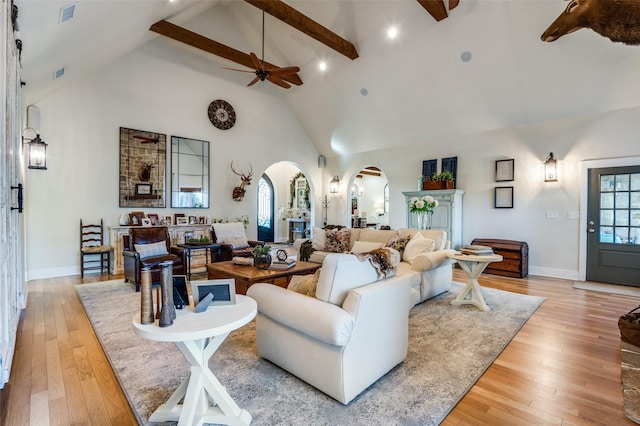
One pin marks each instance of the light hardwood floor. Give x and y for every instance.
(563, 367)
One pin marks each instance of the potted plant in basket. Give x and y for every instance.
(442, 180)
(262, 256)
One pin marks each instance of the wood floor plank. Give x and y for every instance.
(39, 410)
(76, 404)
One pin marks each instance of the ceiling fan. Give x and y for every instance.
(274, 74)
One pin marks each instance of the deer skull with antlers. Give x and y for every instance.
(238, 191)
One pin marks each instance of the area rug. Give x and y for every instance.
(449, 349)
(624, 290)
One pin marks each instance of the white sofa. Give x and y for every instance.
(430, 273)
(345, 338)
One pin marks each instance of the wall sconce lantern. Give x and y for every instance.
(551, 169)
(37, 151)
(334, 185)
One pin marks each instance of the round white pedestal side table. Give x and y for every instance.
(473, 265)
(198, 336)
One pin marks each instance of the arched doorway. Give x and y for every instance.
(265, 209)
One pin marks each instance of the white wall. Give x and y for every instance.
(81, 125)
(553, 243)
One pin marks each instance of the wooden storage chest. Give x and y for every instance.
(515, 256)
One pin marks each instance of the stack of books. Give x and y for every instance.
(476, 250)
(282, 264)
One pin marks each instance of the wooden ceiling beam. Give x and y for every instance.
(436, 8)
(198, 41)
(297, 20)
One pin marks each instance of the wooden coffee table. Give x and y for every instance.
(246, 276)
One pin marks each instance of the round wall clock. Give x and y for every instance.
(222, 114)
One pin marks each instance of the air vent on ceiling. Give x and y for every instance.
(58, 73)
(66, 13)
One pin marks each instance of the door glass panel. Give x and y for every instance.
(620, 208)
(264, 204)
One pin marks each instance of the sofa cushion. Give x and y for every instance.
(340, 273)
(364, 246)
(152, 249)
(427, 261)
(377, 236)
(337, 241)
(437, 235)
(418, 244)
(318, 240)
(231, 233)
(304, 284)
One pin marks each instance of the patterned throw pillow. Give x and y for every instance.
(399, 243)
(337, 241)
(152, 249)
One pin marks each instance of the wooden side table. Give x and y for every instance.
(198, 336)
(473, 265)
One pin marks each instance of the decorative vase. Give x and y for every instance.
(146, 297)
(424, 220)
(124, 219)
(168, 311)
(262, 260)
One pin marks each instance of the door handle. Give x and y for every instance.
(591, 230)
(19, 188)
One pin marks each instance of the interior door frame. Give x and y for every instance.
(584, 196)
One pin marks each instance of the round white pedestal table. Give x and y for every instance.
(198, 336)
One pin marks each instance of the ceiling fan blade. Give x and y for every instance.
(254, 81)
(278, 81)
(236, 69)
(284, 71)
(453, 4)
(256, 62)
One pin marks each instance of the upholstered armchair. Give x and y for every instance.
(233, 240)
(149, 246)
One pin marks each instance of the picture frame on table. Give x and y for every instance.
(181, 220)
(176, 216)
(202, 220)
(504, 170)
(146, 221)
(168, 220)
(503, 197)
(135, 218)
(193, 220)
(223, 291)
(155, 219)
(180, 288)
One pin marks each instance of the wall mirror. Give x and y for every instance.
(142, 168)
(189, 173)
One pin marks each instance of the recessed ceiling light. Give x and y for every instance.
(66, 13)
(466, 56)
(392, 32)
(322, 65)
(364, 92)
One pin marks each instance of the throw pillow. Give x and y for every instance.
(428, 261)
(228, 233)
(151, 249)
(317, 238)
(418, 244)
(304, 284)
(399, 243)
(364, 246)
(238, 243)
(337, 241)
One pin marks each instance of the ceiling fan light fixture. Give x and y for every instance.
(322, 66)
(392, 32)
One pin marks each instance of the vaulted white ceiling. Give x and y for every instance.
(414, 88)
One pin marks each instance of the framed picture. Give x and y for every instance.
(504, 170)
(503, 197)
(176, 216)
(450, 164)
(168, 220)
(202, 220)
(429, 168)
(180, 294)
(155, 220)
(181, 220)
(146, 221)
(193, 220)
(135, 218)
(223, 291)
(143, 188)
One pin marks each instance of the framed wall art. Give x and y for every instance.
(504, 170)
(503, 197)
(143, 157)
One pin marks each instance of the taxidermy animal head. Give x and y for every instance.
(618, 20)
(145, 172)
(238, 191)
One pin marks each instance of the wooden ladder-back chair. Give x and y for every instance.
(94, 254)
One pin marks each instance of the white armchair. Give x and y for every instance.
(343, 343)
